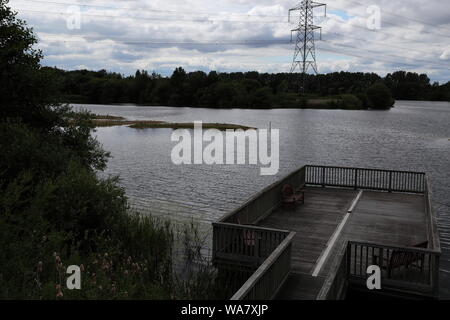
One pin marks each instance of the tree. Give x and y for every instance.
(25, 92)
(379, 96)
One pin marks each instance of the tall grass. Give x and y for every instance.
(134, 261)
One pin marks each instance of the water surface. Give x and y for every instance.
(412, 136)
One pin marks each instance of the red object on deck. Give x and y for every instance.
(290, 197)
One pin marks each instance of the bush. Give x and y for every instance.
(350, 102)
(54, 209)
(379, 97)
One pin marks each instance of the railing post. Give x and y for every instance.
(349, 254)
(214, 248)
(356, 178)
(257, 248)
(435, 272)
(390, 181)
(323, 177)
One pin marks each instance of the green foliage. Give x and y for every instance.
(408, 85)
(350, 101)
(379, 97)
(237, 90)
(25, 91)
(54, 209)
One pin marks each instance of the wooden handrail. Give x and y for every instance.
(406, 249)
(370, 169)
(349, 262)
(267, 208)
(334, 287)
(265, 255)
(366, 178)
(397, 272)
(243, 244)
(432, 222)
(265, 268)
(248, 227)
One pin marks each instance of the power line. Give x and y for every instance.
(374, 32)
(144, 9)
(165, 42)
(399, 57)
(234, 42)
(211, 21)
(200, 20)
(379, 53)
(305, 51)
(140, 10)
(399, 26)
(334, 48)
(150, 19)
(404, 17)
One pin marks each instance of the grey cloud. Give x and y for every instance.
(196, 41)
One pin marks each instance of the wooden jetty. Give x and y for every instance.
(352, 218)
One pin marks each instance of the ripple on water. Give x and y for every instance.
(412, 136)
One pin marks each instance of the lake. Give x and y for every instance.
(412, 136)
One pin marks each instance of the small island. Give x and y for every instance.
(111, 121)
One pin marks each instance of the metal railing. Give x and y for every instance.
(268, 279)
(360, 178)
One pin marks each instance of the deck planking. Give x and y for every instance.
(314, 223)
(395, 219)
(301, 287)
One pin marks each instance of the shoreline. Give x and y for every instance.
(112, 121)
(224, 108)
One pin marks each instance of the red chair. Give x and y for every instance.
(291, 198)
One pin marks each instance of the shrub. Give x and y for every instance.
(379, 97)
(54, 209)
(350, 101)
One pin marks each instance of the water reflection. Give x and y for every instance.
(412, 136)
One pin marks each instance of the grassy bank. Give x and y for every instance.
(110, 121)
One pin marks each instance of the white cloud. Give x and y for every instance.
(199, 34)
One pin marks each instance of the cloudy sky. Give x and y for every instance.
(238, 35)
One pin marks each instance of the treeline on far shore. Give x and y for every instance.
(343, 90)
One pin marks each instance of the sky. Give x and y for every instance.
(239, 35)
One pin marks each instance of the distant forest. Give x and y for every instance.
(246, 90)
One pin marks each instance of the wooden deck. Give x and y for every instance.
(314, 224)
(379, 217)
(352, 218)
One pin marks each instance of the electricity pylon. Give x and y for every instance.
(305, 51)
